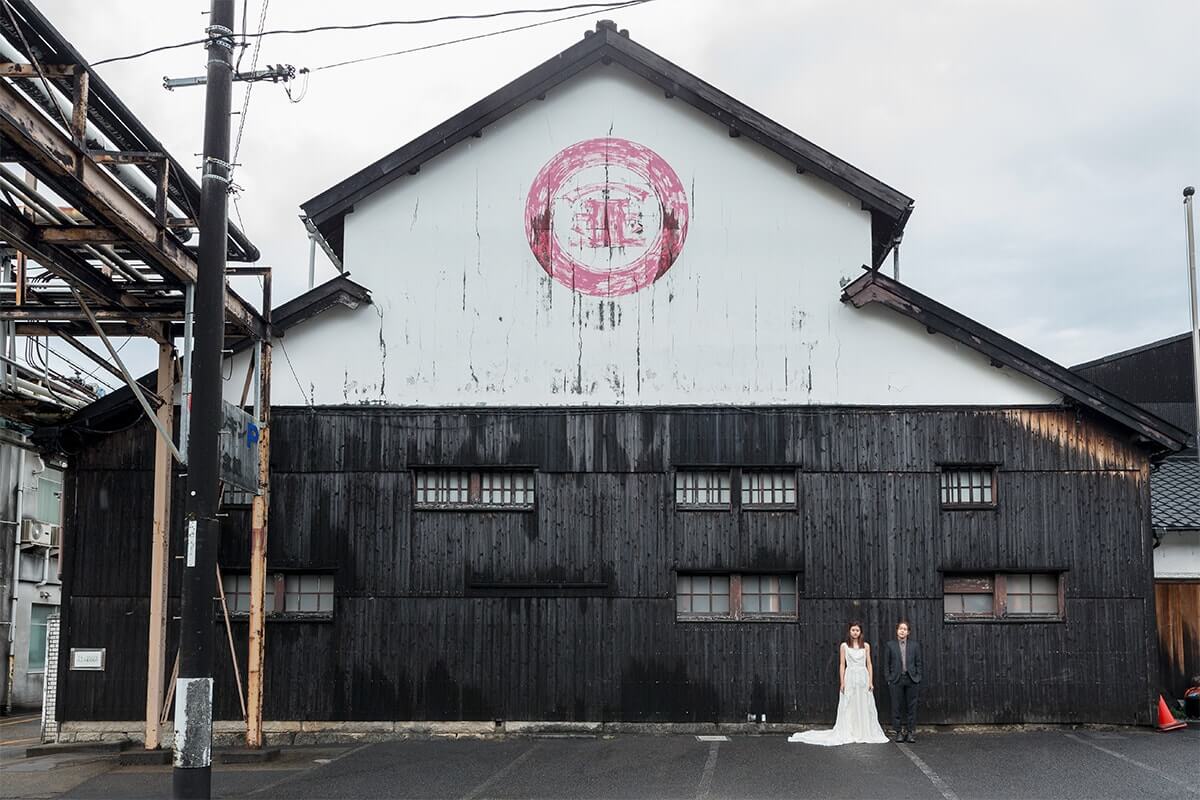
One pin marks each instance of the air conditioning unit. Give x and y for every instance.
(41, 533)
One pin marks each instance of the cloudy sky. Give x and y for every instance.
(1046, 143)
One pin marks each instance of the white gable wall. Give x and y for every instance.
(748, 314)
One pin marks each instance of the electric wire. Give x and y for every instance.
(262, 22)
(378, 24)
(435, 45)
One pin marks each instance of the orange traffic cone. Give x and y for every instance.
(1166, 722)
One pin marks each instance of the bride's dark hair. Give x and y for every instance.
(862, 642)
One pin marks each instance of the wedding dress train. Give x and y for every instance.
(857, 719)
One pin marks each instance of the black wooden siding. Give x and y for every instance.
(424, 627)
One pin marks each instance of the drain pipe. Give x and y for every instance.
(10, 672)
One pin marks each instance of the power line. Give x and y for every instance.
(618, 6)
(378, 24)
(262, 22)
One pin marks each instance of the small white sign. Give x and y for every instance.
(87, 658)
(191, 543)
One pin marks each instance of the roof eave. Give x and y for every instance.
(874, 287)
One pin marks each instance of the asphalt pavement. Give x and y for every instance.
(1061, 763)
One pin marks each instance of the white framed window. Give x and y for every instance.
(473, 489)
(703, 488)
(768, 489)
(735, 596)
(288, 594)
(968, 487)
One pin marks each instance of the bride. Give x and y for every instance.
(857, 719)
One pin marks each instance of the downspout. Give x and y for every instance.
(10, 671)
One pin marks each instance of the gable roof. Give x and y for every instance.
(340, 290)
(874, 287)
(889, 208)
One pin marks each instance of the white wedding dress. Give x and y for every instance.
(857, 719)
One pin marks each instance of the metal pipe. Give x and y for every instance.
(16, 583)
(48, 210)
(312, 260)
(134, 386)
(1188, 193)
(185, 387)
(131, 177)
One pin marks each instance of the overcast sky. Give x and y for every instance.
(1046, 143)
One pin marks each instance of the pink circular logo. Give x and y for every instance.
(606, 217)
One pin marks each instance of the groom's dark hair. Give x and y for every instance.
(904, 621)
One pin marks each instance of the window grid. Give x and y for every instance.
(970, 487)
(286, 594)
(1003, 596)
(702, 594)
(768, 594)
(703, 488)
(466, 489)
(1032, 595)
(768, 489)
(734, 596)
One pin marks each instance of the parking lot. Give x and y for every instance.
(1092, 764)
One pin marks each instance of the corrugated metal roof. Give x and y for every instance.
(1175, 493)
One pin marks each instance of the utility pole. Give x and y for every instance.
(1188, 193)
(192, 776)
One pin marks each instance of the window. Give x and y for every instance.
(1003, 596)
(702, 594)
(496, 489)
(287, 594)
(758, 489)
(236, 498)
(968, 487)
(38, 614)
(735, 597)
(768, 489)
(703, 489)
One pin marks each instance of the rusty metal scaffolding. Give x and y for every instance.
(97, 234)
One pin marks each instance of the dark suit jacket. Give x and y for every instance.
(891, 661)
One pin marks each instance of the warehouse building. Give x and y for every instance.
(620, 420)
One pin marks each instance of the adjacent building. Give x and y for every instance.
(1159, 378)
(30, 530)
(624, 424)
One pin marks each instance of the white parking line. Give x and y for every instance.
(479, 790)
(710, 766)
(934, 778)
(1189, 787)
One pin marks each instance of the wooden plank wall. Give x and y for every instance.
(412, 639)
(1177, 604)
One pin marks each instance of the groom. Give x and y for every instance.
(902, 669)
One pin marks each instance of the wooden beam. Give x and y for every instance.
(160, 549)
(9, 69)
(71, 234)
(259, 507)
(33, 134)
